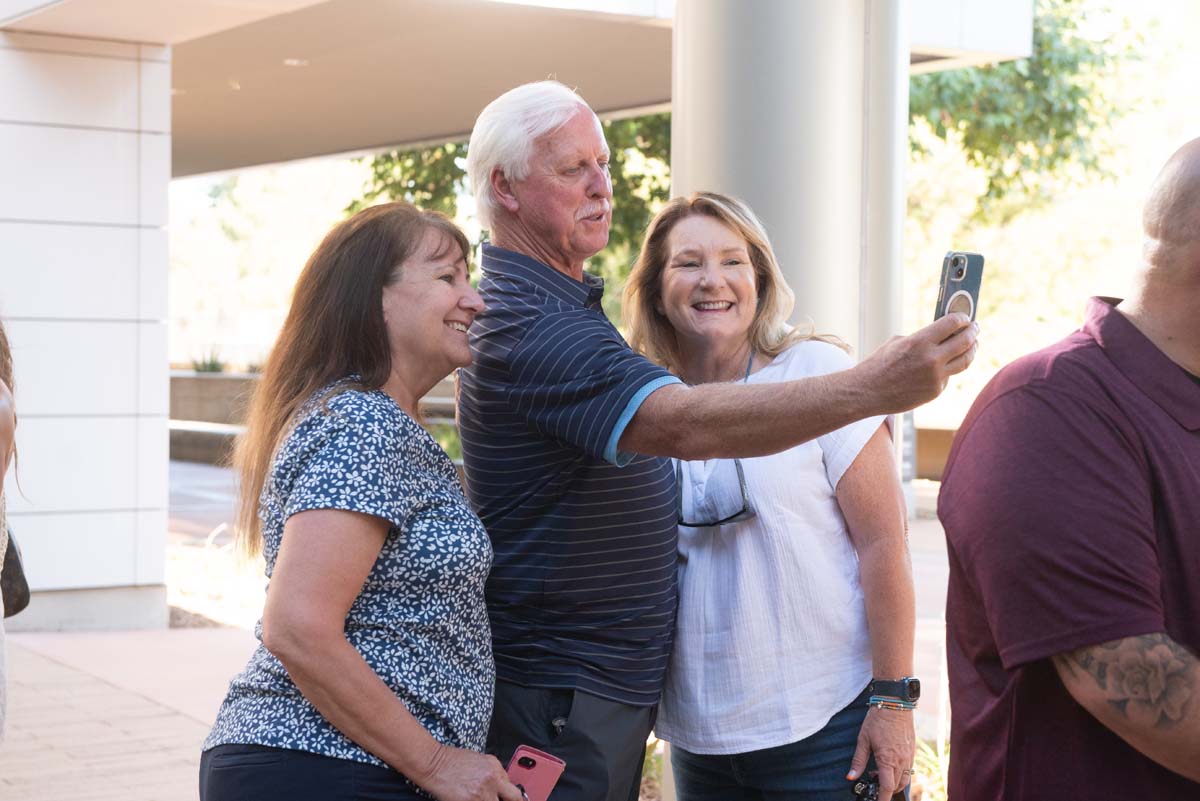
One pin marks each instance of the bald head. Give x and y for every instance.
(1171, 218)
(1163, 304)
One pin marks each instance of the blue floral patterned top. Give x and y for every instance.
(420, 620)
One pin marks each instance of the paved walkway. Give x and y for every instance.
(120, 716)
(117, 715)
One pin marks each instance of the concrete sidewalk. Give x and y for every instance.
(117, 715)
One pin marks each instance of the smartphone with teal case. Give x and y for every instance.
(958, 291)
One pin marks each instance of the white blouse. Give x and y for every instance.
(771, 636)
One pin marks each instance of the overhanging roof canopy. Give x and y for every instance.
(263, 81)
(372, 74)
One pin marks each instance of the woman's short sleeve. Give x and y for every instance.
(355, 458)
(839, 448)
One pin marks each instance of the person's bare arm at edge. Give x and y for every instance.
(325, 558)
(1146, 689)
(726, 420)
(8, 425)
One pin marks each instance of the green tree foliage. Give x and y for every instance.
(429, 177)
(641, 174)
(640, 165)
(991, 146)
(1038, 123)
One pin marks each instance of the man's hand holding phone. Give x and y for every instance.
(906, 372)
(909, 371)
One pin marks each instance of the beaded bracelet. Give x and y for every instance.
(888, 702)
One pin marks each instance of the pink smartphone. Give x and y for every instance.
(535, 772)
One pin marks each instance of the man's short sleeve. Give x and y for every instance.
(1048, 508)
(575, 379)
(355, 461)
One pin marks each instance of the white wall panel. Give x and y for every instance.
(71, 464)
(153, 380)
(155, 93)
(75, 368)
(64, 89)
(69, 175)
(71, 551)
(150, 562)
(155, 178)
(85, 160)
(66, 271)
(154, 52)
(153, 445)
(152, 274)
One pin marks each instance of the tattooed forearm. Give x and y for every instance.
(1151, 679)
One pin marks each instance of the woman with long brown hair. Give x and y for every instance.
(374, 676)
(8, 424)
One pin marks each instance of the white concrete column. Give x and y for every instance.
(885, 155)
(85, 151)
(793, 107)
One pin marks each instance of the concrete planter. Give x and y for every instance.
(207, 411)
(211, 397)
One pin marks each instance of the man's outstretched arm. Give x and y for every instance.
(728, 420)
(1146, 689)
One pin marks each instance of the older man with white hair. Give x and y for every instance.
(565, 437)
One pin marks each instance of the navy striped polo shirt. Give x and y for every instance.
(582, 589)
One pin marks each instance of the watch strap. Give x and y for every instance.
(907, 689)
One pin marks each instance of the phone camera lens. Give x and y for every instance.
(526, 762)
(959, 263)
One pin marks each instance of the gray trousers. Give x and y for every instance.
(603, 742)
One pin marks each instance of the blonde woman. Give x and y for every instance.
(795, 587)
(374, 677)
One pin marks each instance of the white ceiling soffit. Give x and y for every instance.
(358, 75)
(151, 21)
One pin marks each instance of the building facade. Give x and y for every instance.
(800, 108)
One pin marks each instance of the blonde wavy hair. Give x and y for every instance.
(651, 333)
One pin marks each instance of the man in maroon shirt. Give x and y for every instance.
(1071, 504)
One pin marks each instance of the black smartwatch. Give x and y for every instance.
(907, 689)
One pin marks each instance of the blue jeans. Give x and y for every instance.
(812, 769)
